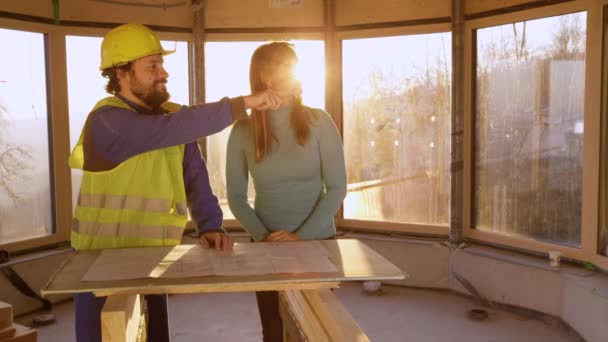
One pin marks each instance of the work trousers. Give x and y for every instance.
(272, 325)
(87, 312)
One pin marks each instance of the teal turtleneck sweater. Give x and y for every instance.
(298, 188)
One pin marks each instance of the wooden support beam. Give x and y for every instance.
(317, 315)
(122, 319)
(7, 332)
(6, 315)
(22, 334)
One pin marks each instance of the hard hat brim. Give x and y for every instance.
(162, 53)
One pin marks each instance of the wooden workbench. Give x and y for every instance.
(353, 260)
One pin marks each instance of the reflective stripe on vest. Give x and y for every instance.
(130, 202)
(127, 230)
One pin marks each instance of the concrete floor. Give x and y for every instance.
(396, 315)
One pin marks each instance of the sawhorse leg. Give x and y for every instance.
(123, 319)
(317, 316)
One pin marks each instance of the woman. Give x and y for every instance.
(295, 157)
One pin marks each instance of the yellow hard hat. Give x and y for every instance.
(127, 43)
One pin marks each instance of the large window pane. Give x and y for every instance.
(397, 128)
(86, 85)
(529, 128)
(25, 195)
(227, 74)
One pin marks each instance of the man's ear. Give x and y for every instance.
(122, 74)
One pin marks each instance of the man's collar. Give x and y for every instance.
(138, 108)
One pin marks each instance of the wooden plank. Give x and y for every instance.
(6, 315)
(353, 259)
(472, 7)
(303, 323)
(23, 334)
(7, 332)
(213, 288)
(121, 318)
(336, 320)
(317, 315)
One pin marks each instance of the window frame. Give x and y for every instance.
(56, 104)
(387, 226)
(588, 250)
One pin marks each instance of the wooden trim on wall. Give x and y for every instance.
(88, 24)
(514, 8)
(566, 7)
(600, 261)
(263, 30)
(387, 226)
(244, 37)
(394, 31)
(391, 24)
(523, 242)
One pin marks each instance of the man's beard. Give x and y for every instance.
(151, 96)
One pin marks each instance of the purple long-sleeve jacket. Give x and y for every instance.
(114, 134)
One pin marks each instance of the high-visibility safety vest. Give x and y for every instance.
(139, 203)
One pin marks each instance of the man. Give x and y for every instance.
(143, 168)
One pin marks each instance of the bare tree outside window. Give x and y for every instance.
(529, 128)
(25, 196)
(14, 160)
(397, 128)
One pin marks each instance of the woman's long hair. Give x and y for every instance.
(267, 60)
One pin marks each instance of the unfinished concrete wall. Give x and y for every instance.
(578, 296)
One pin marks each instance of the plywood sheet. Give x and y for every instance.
(193, 261)
(352, 259)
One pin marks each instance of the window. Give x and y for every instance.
(396, 96)
(227, 74)
(86, 85)
(529, 128)
(25, 194)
